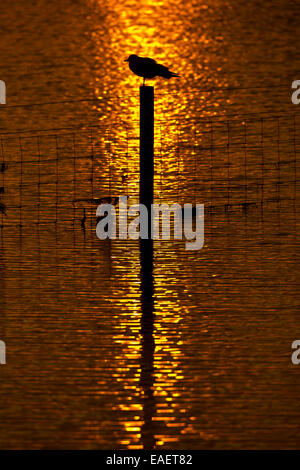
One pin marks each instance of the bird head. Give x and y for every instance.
(131, 58)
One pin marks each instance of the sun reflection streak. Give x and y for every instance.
(146, 31)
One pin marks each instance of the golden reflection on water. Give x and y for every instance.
(140, 32)
(191, 365)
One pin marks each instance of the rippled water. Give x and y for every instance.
(100, 354)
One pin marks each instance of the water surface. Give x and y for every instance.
(196, 356)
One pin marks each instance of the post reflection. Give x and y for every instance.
(148, 344)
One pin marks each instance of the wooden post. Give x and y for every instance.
(146, 147)
(148, 344)
(146, 256)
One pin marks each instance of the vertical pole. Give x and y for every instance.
(146, 147)
(146, 256)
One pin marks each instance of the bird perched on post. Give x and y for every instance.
(148, 68)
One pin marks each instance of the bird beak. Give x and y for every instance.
(126, 60)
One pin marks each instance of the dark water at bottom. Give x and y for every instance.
(92, 362)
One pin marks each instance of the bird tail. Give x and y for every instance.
(164, 72)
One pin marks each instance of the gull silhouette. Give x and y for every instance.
(148, 68)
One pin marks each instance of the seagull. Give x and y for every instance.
(148, 68)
